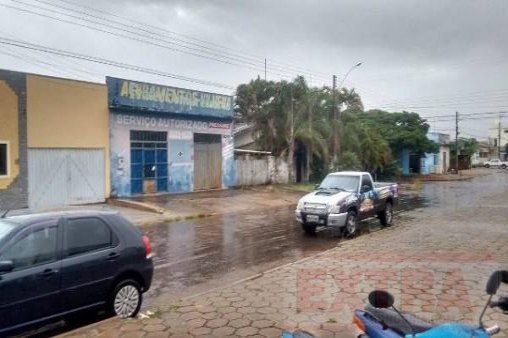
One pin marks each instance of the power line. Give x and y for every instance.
(152, 38)
(213, 45)
(54, 51)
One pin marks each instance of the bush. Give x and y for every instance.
(390, 171)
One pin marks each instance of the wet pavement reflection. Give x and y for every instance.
(193, 256)
(227, 247)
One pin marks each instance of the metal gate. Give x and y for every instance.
(59, 177)
(207, 162)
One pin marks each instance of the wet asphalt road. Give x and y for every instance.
(197, 255)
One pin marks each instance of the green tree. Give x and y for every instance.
(402, 130)
(283, 114)
(467, 146)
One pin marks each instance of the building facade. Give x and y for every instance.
(166, 139)
(437, 163)
(13, 141)
(54, 141)
(498, 138)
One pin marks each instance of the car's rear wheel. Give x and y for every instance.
(126, 299)
(487, 166)
(503, 166)
(309, 228)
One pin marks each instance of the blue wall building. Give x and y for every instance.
(165, 139)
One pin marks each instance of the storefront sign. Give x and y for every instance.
(128, 94)
(167, 123)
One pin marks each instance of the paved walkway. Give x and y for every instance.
(435, 261)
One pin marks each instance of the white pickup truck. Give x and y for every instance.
(345, 198)
(496, 163)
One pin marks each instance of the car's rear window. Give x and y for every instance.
(5, 228)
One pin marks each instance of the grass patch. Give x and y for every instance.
(303, 187)
(331, 320)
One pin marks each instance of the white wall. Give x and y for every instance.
(256, 171)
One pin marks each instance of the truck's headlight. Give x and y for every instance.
(335, 209)
(299, 206)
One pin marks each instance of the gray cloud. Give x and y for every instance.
(412, 50)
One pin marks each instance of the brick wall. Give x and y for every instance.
(16, 194)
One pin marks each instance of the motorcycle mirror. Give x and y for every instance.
(504, 277)
(494, 282)
(381, 299)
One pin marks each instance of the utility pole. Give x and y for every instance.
(457, 142)
(265, 69)
(291, 143)
(334, 98)
(309, 150)
(333, 117)
(499, 138)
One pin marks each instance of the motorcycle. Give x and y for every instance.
(381, 319)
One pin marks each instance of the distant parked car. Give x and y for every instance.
(496, 163)
(56, 264)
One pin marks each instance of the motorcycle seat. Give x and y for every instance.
(391, 319)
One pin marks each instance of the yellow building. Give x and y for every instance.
(54, 136)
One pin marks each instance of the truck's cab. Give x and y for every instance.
(344, 198)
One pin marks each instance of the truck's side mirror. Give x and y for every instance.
(316, 186)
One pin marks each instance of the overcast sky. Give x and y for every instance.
(431, 57)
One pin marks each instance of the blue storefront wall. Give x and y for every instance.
(404, 161)
(178, 154)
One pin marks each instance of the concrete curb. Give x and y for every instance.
(135, 205)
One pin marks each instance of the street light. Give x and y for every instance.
(348, 72)
(334, 87)
(334, 109)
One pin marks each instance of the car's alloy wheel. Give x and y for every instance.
(389, 214)
(127, 299)
(350, 228)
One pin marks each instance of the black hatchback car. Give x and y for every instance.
(56, 264)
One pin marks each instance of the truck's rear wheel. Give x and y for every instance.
(487, 166)
(386, 216)
(349, 231)
(309, 228)
(503, 166)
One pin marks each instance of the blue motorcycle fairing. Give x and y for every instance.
(453, 330)
(373, 328)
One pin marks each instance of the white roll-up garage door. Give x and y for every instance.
(58, 177)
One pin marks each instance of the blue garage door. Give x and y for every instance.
(149, 161)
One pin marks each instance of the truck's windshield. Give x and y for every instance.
(340, 182)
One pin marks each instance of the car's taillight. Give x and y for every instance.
(148, 247)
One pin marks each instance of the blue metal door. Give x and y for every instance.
(149, 161)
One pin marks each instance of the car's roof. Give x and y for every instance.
(47, 216)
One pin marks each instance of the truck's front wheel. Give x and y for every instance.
(349, 231)
(386, 216)
(309, 228)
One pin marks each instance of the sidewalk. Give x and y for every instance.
(147, 210)
(438, 268)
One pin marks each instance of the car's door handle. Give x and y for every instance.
(112, 256)
(47, 273)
